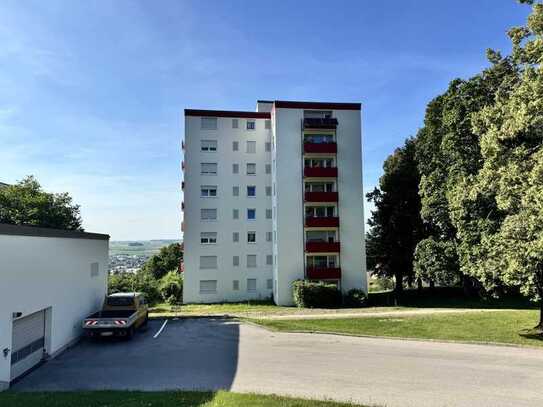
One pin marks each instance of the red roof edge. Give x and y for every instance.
(227, 113)
(286, 104)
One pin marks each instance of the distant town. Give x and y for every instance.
(130, 256)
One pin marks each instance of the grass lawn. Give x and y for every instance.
(155, 399)
(489, 326)
(249, 308)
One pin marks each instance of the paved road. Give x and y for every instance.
(215, 353)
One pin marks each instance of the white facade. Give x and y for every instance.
(50, 280)
(287, 137)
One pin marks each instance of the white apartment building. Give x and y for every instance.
(271, 197)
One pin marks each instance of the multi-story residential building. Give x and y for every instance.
(271, 197)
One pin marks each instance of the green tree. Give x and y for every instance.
(511, 129)
(395, 224)
(25, 203)
(166, 260)
(171, 288)
(139, 282)
(448, 157)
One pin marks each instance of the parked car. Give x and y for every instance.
(121, 315)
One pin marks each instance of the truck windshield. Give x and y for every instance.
(120, 301)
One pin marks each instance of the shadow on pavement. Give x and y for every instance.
(192, 354)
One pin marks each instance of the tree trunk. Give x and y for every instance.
(540, 325)
(398, 288)
(432, 285)
(419, 284)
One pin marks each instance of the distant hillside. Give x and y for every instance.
(138, 247)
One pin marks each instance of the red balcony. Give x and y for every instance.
(321, 197)
(323, 273)
(182, 184)
(315, 222)
(320, 172)
(322, 247)
(320, 148)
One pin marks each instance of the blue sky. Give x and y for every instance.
(92, 92)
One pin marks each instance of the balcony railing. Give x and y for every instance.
(322, 247)
(315, 222)
(320, 123)
(323, 273)
(330, 148)
(321, 196)
(320, 172)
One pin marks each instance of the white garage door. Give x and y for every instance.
(28, 342)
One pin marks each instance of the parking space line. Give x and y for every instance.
(160, 330)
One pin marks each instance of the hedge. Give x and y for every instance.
(309, 294)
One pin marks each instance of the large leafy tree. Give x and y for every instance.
(395, 224)
(511, 129)
(448, 156)
(166, 260)
(26, 203)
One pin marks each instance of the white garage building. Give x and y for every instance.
(49, 281)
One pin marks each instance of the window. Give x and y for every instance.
(268, 213)
(321, 261)
(251, 124)
(251, 214)
(251, 237)
(208, 123)
(319, 187)
(235, 145)
(269, 259)
(235, 123)
(317, 114)
(269, 284)
(235, 168)
(208, 145)
(268, 236)
(251, 260)
(208, 237)
(251, 147)
(251, 190)
(208, 286)
(319, 138)
(235, 261)
(319, 162)
(208, 262)
(268, 146)
(251, 169)
(235, 191)
(235, 285)
(235, 236)
(208, 214)
(268, 168)
(235, 214)
(208, 168)
(320, 211)
(208, 191)
(325, 236)
(251, 284)
(268, 191)
(267, 124)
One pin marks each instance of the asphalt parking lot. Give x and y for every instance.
(213, 353)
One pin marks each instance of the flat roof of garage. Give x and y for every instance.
(20, 230)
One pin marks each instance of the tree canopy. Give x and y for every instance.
(26, 203)
(168, 259)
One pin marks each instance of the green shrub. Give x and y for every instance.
(140, 282)
(309, 294)
(355, 298)
(171, 288)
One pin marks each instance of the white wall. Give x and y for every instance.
(41, 272)
(225, 202)
(288, 225)
(351, 200)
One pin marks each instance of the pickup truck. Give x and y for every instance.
(121, 315)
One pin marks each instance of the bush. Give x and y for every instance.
(355, 298)
(140, 282)
(309, 294)
(171, 288)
